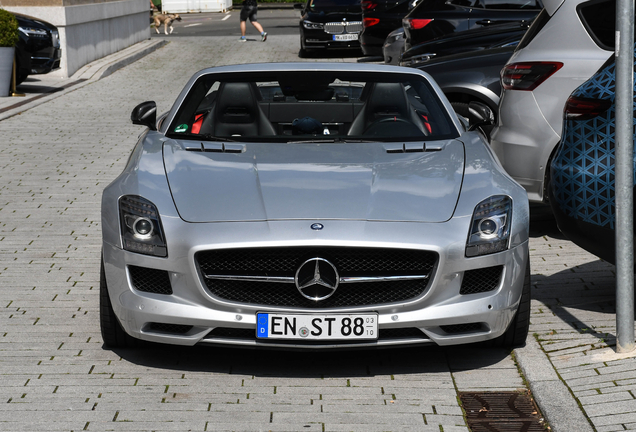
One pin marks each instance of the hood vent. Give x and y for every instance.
(215, 147)
(412, 147)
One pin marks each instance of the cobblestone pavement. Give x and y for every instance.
(56, 158)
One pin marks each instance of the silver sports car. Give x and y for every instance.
(312, 205)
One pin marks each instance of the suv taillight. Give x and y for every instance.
(527, 76)
(368, 22)
(578, 108)
(369, 5)
(415, 23)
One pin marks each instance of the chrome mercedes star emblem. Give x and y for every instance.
(317, 279)
(317, 226)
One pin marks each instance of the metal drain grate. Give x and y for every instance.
(502, 412)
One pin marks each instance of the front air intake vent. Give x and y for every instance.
(150, 280)
(481, 280)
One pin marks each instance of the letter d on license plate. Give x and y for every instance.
(316, 326)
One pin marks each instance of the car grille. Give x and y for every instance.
(481, 280)
(343, 27)
(284, 262)
(150, 280)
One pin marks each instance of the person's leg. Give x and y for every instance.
(257, 26)
(243, 28)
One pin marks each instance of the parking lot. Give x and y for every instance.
(57, 157)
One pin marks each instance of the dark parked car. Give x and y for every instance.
(470, 76)
(433, 18)
(582, 180)
(330, 24)
(38, 50)
(495, 36)
(379, 18)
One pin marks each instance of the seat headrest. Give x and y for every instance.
(236, 103)
(388, 99)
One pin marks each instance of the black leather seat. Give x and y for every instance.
(387, 102)
(237, 113)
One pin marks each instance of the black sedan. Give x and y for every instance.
(472, 76)
(433, 18)
(379, 18)
(330, 24)
(495, 36)
(38, 50)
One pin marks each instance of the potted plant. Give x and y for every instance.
(8, 39)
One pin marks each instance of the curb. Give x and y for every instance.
(554, 398)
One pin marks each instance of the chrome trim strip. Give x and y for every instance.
(359, 279)
(286, 279)
(277, 279)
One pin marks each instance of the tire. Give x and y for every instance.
(461, 108)
(113, 333)
(517, 332)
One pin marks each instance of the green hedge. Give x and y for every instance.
(8, 29)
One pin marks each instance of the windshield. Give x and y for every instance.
(311, 106)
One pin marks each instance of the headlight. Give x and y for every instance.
(312, 25)
(30, 31)
(141, 229)
(56, 38)
(490, 227)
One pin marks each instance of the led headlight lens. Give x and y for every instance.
(490, 227)
(141, 226)
(312, 25)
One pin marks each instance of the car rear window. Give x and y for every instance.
(599, 19)
(310, 106)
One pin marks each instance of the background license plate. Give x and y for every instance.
(322, 327)
(346, 37)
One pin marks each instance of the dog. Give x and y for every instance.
(166, 20)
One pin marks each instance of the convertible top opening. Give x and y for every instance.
(307, 105)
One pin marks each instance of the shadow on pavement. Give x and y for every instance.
(311, 364)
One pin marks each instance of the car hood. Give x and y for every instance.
(334, 15)
(29, 21)
(352, 181)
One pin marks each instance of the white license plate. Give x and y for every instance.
(346, 37)
(317, 326)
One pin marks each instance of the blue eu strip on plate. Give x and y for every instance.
(262, 325)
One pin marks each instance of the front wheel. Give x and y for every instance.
(518, 329)
(113, 333)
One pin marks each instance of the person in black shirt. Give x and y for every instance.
(249, 10)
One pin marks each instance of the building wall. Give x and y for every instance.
(89, 29)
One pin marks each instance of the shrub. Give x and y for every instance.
(8, 29)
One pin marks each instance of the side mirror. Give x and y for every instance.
(145, 114)
(479, 114)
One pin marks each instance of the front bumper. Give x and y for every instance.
(192, 315)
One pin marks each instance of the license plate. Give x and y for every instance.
(317, 326)
(346, 37)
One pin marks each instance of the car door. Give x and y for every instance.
(493, 12)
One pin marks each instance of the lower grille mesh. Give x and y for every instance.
(481, 280)
(250, 334)
(150, 280)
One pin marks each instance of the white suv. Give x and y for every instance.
(565, 45)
